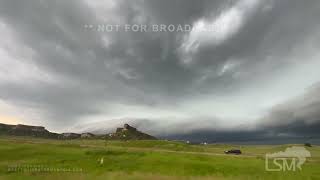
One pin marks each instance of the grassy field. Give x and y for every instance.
(30, 158)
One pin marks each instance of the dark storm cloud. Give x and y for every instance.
(304, 111)
(92, 71)
(274, 33)
(296, 121)
(295, 132)
(55, 31)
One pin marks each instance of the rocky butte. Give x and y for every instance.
(129, 133)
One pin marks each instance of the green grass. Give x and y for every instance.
(142, 160)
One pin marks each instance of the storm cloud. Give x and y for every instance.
(255, 71)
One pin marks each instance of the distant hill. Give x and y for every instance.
(126, 133)
(26, 130)
(129, 133)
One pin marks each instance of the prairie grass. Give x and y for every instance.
(99, 159)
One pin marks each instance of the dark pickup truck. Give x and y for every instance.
(233, 151)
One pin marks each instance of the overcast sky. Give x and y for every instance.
(256, 68)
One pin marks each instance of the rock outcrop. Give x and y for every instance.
(129, 133)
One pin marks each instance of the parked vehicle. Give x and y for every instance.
(233, 151)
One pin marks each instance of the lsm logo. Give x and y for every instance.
(289, 160)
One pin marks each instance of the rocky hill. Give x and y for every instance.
(126, 133)
(129, 133)
(26, 130)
